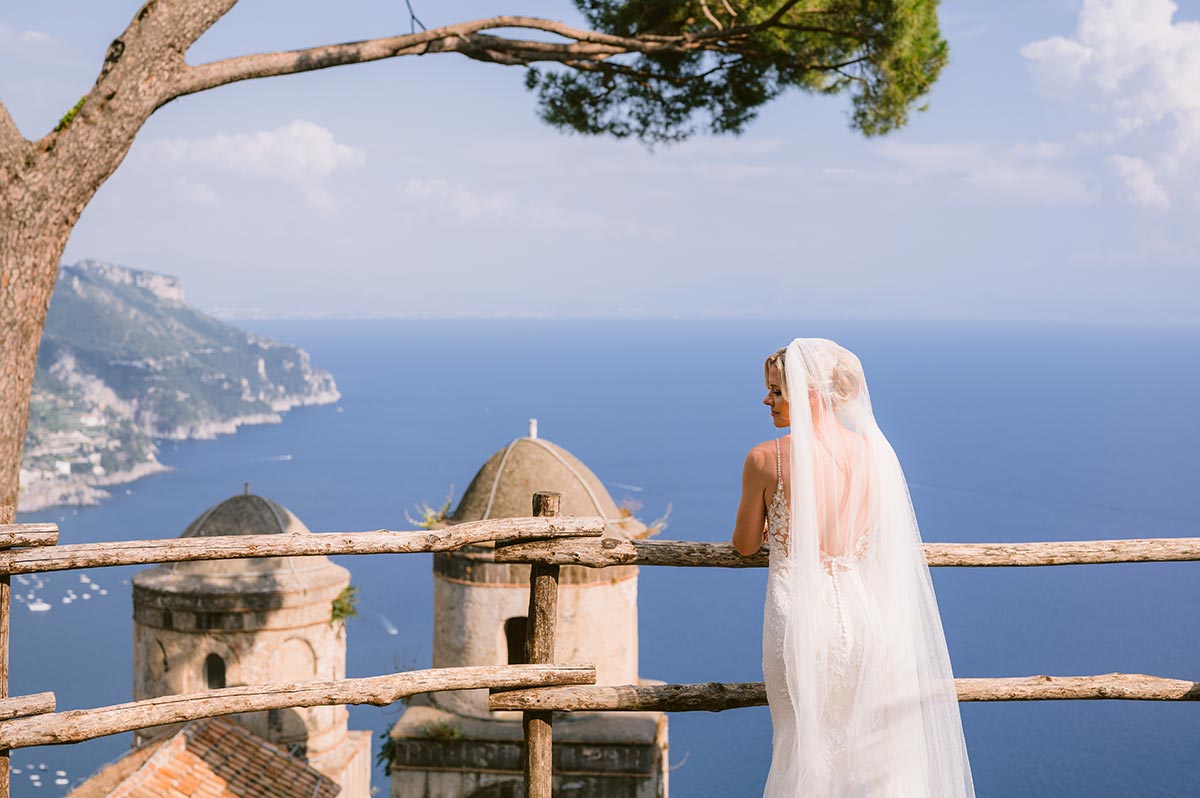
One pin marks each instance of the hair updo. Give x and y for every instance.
(835, 372)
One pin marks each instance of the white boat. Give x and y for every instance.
(38, 606)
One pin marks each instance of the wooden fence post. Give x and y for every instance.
(6, 516)
(539, 650)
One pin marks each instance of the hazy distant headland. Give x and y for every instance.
(124, 362)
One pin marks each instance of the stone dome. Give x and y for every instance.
(244, 514)
(504, 486)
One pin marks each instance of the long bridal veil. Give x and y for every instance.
(892, 708)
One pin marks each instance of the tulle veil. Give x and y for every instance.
(849, 498)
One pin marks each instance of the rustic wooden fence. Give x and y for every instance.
(546, 556)
(32, 548)
(538, 689)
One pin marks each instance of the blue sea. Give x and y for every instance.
(1006, 433)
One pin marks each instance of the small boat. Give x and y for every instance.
(38, 606)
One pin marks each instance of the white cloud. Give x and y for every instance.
(35, 37)
(1028, 172)
(198, 193)
(28, 37)
(429, 197)
(1131, 61)
(462, 201)
(1141, 186)
(302, 153)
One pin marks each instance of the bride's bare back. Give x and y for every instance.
(843, 492)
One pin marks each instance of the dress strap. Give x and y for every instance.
(778, 463)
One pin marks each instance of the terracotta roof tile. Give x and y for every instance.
(211, 758)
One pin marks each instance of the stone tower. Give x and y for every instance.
(225, 623)
(448, 745)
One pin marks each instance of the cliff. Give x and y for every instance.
(124, 362)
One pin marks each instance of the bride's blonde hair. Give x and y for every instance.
(776, 360)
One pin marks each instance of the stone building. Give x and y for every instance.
(448, 745)
(223, 623)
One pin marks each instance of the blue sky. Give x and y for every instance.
(1054, 177)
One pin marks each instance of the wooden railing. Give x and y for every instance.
(546, 542)
(31, 548)
(547, 555)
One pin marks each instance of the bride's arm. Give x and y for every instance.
(748, 529)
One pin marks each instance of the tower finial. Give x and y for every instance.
(533, 427)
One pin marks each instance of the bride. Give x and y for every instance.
(857, 673)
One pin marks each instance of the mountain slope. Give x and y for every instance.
(124, 361)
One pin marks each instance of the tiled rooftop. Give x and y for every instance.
(211, 758)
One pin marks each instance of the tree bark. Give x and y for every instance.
(30, 248)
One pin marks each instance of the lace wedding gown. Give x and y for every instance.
(846, 661)
(857, 671)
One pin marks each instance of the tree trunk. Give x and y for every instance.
(31, 244)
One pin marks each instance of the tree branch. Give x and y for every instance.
(139, 69)
(466, 38)
(10, 136)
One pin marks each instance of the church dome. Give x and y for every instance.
(245, 514)
(504, 486)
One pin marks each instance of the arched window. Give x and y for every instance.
(514, 633)
(214, 672)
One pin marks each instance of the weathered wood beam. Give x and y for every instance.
(602, 552)
(25, 705)
(86, 724)
(710, 697)
(28, 535)
(1127, 686)
(142, 552)
(615, 551)
(5, 630)
(716, 697)
(538, 726)
(1064, 552)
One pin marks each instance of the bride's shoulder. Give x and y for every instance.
(761, 456)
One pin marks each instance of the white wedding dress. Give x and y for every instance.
(855, 663)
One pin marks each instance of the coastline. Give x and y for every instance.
(89, 490)
(83, 491)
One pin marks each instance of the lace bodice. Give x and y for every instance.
(779, 526)
(778, 520)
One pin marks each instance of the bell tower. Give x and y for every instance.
(224, 623)
(448, 745)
